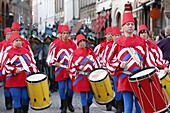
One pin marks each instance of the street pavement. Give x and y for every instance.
(54, 108)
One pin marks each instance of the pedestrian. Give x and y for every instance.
(3, 45)
(164, 44)
(17, 66)
(59, 57)
(83, 61)
(160, 36)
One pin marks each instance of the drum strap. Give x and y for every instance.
(24, 64)
(134, 55)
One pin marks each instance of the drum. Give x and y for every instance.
(165, 82)
(101, 86)
(146, 86)
(38, 91)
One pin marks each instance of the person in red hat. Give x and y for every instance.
(16, 28)
(99, 49)
(16, 72)
(59, 58)
(50, 54)
(118, 100)
(4, 44)
(127, 58)
(54, 44)
(100, 53)
(83, 60)
(155, 57)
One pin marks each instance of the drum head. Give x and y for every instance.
(98, 75)
(142, 74)
(35, 78)
(161, 74)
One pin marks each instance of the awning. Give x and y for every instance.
(100, 22)
(77, 27)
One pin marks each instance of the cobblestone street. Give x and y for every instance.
(54, 108)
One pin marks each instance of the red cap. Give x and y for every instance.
(15, 25)
(115, 30)
(6, 30)
(142, 27)
(108, 30)
(15, 35)
(65, 28)
(59, 28)
(127, 17)
(80, 37)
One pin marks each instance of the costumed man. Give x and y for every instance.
(16, 28)
(3, 46)
(118, 95)
(100, 53)
(60, 57)
(128, 55)
(83, 61)
(155, 57)
(50, 55)
(117, 61)
(17, 66)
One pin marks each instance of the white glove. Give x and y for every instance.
(123, 64)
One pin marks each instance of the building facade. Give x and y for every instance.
(22, 12)
(4, 16)
(43, 14)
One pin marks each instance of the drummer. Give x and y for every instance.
(155, 52)
(127, 57)
(60, 56)
(83, 60)
(118, 103)
(17, 66)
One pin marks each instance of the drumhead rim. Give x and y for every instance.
(28, 81)
(41, 108)
(164, 109)
(141, 77)
(164, 75)
(98, 80)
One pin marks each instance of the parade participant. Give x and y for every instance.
(4, 44)
(155, 56)
(16, 28)
(53, 45)
(122, 66)
(118, 100)
(164, 44)
(54, 85)
(99, 51)
(17, 66)
(83, 61)
(116, 62)
(60, 57)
